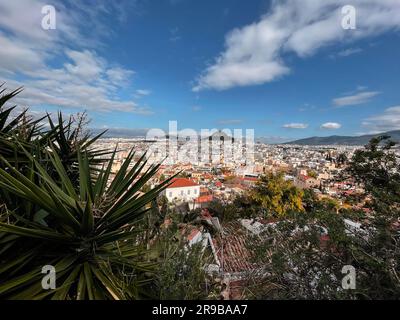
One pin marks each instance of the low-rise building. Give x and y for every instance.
(182, 189)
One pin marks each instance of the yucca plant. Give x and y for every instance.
(67, 140)
(64, 136)
(15, 127)
(88, 229)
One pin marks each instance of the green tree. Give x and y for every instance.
(181, 273)
(277, 196)
(341, 159)
(307, 252)
(312, 174)
(377, 169)
(239, 207)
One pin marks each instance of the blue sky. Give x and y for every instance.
(284, 68)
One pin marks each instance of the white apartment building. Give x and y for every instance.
(182, 189)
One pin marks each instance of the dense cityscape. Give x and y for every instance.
(294, 194)
(219, 177)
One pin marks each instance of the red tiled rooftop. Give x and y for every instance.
(181, 183)
(253, 179)
(204, 199)
(193, 234)
(204, 191)
(232, 250)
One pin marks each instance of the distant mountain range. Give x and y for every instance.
(313, 141)
(345, 140)
(120, 132)
(129, 133)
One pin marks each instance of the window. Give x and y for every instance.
(188, 192)
(170, 194)
(182, 193)
(195, 191)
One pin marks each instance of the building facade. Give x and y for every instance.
(182, 189)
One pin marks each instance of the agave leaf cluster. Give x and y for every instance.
(62, 205)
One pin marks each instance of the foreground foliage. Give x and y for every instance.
(61, 205)
(306, 252)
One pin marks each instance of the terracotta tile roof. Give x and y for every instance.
(188, 231)
(181, 183)
(193, 234)
(252, 179)
(231, 249)
(204, 199)
(204, 191)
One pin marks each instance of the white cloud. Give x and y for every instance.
(349, 52)
(296, 126)
(255, 53)
(119, 76)
(331, 126)
(86, 65)
(346, 53)
(387, 121)
(356, 99)
(23, 18)
(84, 82)
(16, 56)
(361, 88)
(143, 92)
(82, 79)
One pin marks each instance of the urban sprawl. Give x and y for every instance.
(225, 169)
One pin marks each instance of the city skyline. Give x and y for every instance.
(288, 71)
(206, 153)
